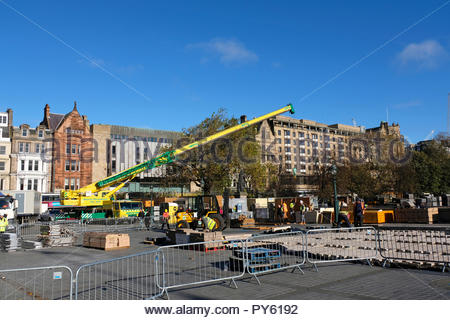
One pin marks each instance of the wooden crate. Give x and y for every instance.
(427, 215)
(106, 241)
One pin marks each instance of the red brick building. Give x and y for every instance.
(72, 153)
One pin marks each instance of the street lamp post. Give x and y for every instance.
(336, 204)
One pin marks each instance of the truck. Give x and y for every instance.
(99, 197)
(20, 205)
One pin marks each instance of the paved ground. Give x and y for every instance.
(332, 281)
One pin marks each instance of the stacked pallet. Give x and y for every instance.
(444, 215)
(212, 239)
(106, 241)
(260, 259)
(56, 236)
(26, 244)
(8, 242)
(428, 215)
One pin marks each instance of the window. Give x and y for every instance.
(30, 184)
(2, 165)
(68, 148)
(73, 165)
(27, 147)
(288, 158)
(38, 148)
(301, 143)
(287, 133)
(279, 140)
(42, 148)
(302, 151)
(113, 150)
(22, 165)
(293, 134)
(279, 149)
(35, 184)
(3, 120)
(287, 141)
(36, 165)
(145, 153)
(30, 167)
(113, 165)
(74, 148)
(22, 186)
(314, 136)
(67, 165)
(78, 183)
(24, 132)
(2, 149)
(279, 132)
(301, 134)
(72, 184)
(41, 133)
(138, 156)
(21, 147)
(66, 183)
(287, 149)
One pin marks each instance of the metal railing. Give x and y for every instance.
(274, 252)
(41, 283)
(200, 263)
(429, 244)
(133, 277)
(341, 244)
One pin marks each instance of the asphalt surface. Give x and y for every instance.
(341, 280)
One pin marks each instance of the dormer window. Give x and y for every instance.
(24, 132)
(41, 133)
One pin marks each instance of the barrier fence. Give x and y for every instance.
(200, 263)
(133, 277)
(151, 274)
(44, 283)
(431, 245)
(274, 252)
(341, 244)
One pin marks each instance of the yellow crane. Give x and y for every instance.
(100, 194)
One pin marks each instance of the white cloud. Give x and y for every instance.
(426, 54)
(408, 104)
(228, 50)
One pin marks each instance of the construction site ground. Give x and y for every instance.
(343, 280)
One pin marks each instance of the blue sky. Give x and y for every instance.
(169, 64)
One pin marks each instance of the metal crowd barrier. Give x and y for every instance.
(273, 252)
(200, 263)
(133, 277)
(114, 224)
(430, 244)
(341, 244)
(42, 283)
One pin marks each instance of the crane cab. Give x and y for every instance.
(126, 208)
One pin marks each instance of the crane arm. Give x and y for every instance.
(168, 157)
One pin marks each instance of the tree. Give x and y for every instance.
(213, 166)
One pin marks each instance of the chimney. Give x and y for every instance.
(47, 111)
(86, 121)
(10, 117)
(243, 118)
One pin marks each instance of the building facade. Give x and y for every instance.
(5, 148)
(72, 149)
(31, 161)
(300, 146)
(121, 147)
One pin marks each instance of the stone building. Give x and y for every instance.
(31, 161)
(300, 146)
(72, 149)
(5, 148)
(119, 148)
